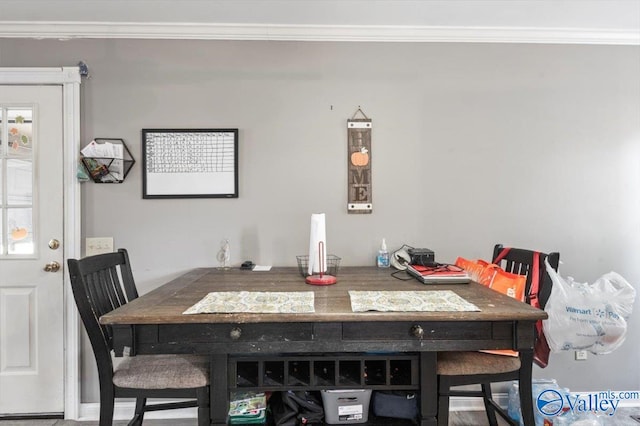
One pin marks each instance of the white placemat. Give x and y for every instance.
(409, 301)
(271, 302)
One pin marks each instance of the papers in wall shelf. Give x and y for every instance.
(409, 301)
(264, 302)
(107, 160)
(105, 151)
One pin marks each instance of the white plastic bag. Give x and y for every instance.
(585, 316)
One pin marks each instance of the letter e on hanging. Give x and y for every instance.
(359, 165)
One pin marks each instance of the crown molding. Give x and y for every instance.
(65, 30)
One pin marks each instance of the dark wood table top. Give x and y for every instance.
(166, 304)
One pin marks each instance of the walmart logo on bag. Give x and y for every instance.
(607, 312)
(573, 310)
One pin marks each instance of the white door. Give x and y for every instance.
(31, 221)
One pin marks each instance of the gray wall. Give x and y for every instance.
(528, 145)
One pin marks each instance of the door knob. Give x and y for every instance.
(417, 331)
(235, 333)
(52, 267)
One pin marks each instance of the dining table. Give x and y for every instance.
(376, 328)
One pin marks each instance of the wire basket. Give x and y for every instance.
(333, 264)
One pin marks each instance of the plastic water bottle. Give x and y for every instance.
(383, 255)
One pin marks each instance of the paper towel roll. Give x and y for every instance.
(318, 233)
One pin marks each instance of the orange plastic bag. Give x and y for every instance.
(513, 286)
(471, 266)
(480, 271)
(494, 277)
(510, 284)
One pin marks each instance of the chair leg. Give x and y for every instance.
(106, 406)
(525, 387)
(139, 412)
(443, 401)
(487, 396)
(135, 421)
(204, 417)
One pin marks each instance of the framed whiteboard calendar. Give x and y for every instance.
(189, 163)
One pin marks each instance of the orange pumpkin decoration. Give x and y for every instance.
(19, 234)
(360, 158)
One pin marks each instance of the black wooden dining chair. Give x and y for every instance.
(100, 284)
(480, 368)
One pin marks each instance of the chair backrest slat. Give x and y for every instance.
(110, 282)
(114, 281)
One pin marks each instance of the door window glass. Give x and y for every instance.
(20, 228)
(16, 181)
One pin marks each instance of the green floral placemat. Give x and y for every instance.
(263, 302)
(409, 301)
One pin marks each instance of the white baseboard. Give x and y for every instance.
(124, 411)
(465, 403)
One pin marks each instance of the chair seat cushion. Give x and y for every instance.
(471, 363)
(162, 372)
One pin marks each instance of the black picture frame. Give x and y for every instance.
(189, 163)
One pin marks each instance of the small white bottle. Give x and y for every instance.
(383, 255)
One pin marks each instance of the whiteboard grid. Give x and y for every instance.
(190, 163)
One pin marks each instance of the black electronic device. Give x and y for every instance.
(247, 265)
(422, 256)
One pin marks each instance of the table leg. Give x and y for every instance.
(219, 389)
(428, 389)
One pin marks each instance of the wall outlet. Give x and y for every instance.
(98, 245)
(581, 355)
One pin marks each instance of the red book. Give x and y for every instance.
(444, 274)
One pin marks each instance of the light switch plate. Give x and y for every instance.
(98, 245)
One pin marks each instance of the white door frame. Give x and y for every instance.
(69, 78)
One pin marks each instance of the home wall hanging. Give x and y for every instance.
(359, 161)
